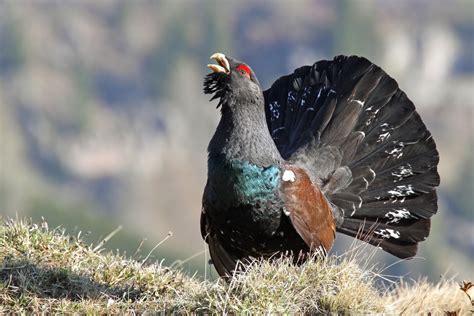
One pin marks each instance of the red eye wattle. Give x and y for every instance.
(244, 70)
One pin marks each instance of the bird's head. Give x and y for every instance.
(231, 80)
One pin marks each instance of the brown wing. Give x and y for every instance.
(308, 209)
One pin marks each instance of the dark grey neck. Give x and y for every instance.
(243, 134)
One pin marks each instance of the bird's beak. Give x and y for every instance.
(223, 63)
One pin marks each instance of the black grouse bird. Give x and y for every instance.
(335, 146)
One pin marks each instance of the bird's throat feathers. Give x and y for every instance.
(242, 134)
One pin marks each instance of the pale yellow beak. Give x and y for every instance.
(223, 63)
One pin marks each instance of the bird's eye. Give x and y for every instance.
(244, 70)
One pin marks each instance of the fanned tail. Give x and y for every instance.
(360, 139)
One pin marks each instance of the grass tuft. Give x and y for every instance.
(45, 270)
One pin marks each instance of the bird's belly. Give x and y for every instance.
(258, 232)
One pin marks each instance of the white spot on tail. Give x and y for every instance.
(289, 175)
(402, 190)
(291, 96)
(402, 172)
(396, 215)
(383, 137)
(319, 94)
(306, 92)
(274, 109)
(286, 212)
(397, 151)
(371, 115)
(388, 233)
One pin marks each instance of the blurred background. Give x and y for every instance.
(103, 121)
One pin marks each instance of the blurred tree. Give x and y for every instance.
(354, 30)
(12, 52)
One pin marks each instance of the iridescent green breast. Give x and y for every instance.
(241, 182)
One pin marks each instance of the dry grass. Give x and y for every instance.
(422, 297)
(45, 270)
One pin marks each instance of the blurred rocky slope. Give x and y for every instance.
(103, 122)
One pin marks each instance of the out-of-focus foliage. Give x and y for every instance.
(103, 122)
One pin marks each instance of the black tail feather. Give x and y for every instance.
(400, 239)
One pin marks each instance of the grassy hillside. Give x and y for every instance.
(44, 270)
